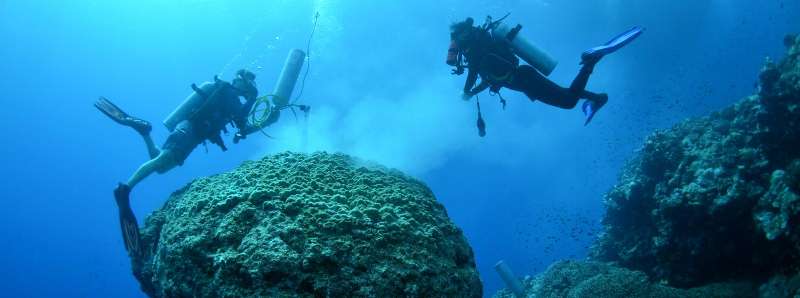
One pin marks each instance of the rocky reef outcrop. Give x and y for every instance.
(296, 225)
(707, 208)
(716, 198)
(578, 279)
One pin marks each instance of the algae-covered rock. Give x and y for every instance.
(717, 198)
(295, 225)
(781, 286)
(575, 279)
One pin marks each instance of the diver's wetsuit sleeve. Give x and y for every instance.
(241, 116)
(217, 140)
(482, 86)
(247, 129)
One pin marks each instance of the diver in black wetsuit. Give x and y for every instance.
(493, 59)
(221, 106)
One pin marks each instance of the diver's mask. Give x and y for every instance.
(452, 54)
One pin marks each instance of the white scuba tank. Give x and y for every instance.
(288, 78)
(526, 50)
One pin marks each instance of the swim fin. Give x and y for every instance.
(127, 221)
(590, 107)
(594, 54)
(118, 115)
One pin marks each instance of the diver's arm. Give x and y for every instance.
(243, 132)
(482, 86)
(240, 119)
(217, 140)
(244, 112)
(472, 77)
(248, 128)
(467, 95)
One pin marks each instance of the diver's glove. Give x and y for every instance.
(459, 70)
(239, 136)
(467, 95)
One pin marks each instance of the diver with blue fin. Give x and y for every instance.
(202, 117)
(492, 52)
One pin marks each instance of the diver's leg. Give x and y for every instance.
(161, 164)
(538, 87)
(582, 79)
(152, 150)
(140, 126)
(588, 95)
(594, 102)
(127, 219)
(130, 227)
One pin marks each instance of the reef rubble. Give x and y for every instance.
(305, 225)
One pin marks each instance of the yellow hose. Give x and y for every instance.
(258, 115)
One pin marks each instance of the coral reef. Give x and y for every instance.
(577, 279)
(296, 225)
(707, 208)
(715, 198)
(781, 286)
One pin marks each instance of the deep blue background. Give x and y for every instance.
(530, 192)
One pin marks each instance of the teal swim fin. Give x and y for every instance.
(127, 221)
(596, 53)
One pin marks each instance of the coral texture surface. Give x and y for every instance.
(575, 279)
(297, 225)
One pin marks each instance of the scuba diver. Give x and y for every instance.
(492, 52)
(202, 117)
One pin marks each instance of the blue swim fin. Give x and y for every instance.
(590, 107)
(596, 53)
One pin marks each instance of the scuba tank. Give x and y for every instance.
(526, 50)
(262, 113)
(288, 78)
(190, 105)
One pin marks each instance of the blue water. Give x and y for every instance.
(529, 193)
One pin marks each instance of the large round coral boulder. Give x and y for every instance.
(296, 225)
